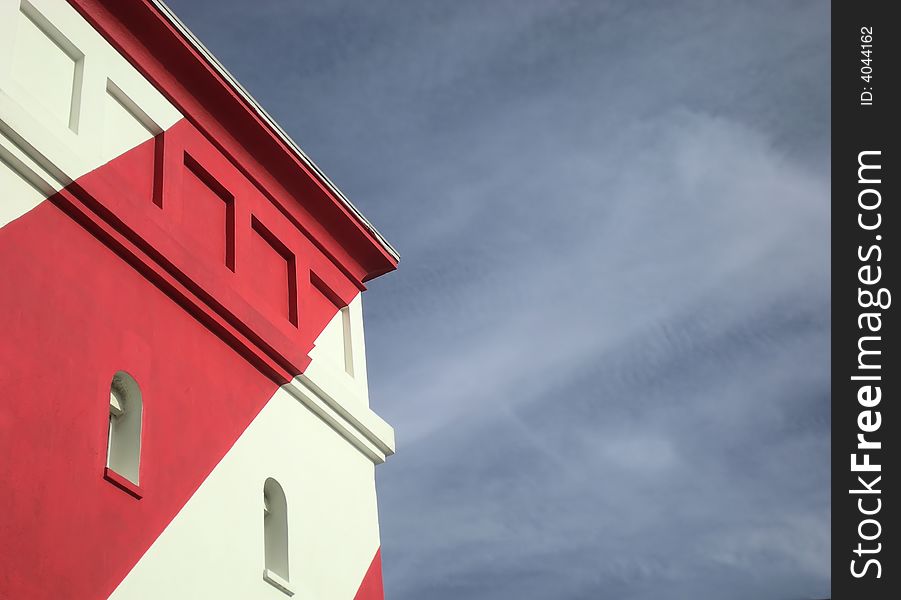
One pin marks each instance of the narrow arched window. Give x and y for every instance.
(125, 413)
(275, 534)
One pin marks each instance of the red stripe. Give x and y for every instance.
(371, 588)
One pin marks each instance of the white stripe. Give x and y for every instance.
(69, 102)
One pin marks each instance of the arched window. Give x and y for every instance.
(275, 534)
(125, 410)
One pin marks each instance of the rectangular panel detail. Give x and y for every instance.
(126, 128)
(334, 343)
(208, 213)
(348, 341)
(272, 268)
(17, 194)
(48, 67)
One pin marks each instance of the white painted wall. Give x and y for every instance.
(214, 546)
(338, 364)
(69, 102)
(335, 385)
(17, 194)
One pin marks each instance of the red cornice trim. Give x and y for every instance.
(161, 53)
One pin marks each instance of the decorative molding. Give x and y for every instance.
(357, 423)
(165, 52)
(290, 259)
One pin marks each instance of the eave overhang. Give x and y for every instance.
(159, 45)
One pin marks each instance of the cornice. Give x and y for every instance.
(149, 35)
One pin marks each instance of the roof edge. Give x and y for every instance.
(239, 89)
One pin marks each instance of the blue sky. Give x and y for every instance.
(606, 350)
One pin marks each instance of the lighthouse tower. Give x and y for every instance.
(183, 399)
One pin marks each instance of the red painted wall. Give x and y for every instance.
(73, 313)
(371, 588)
